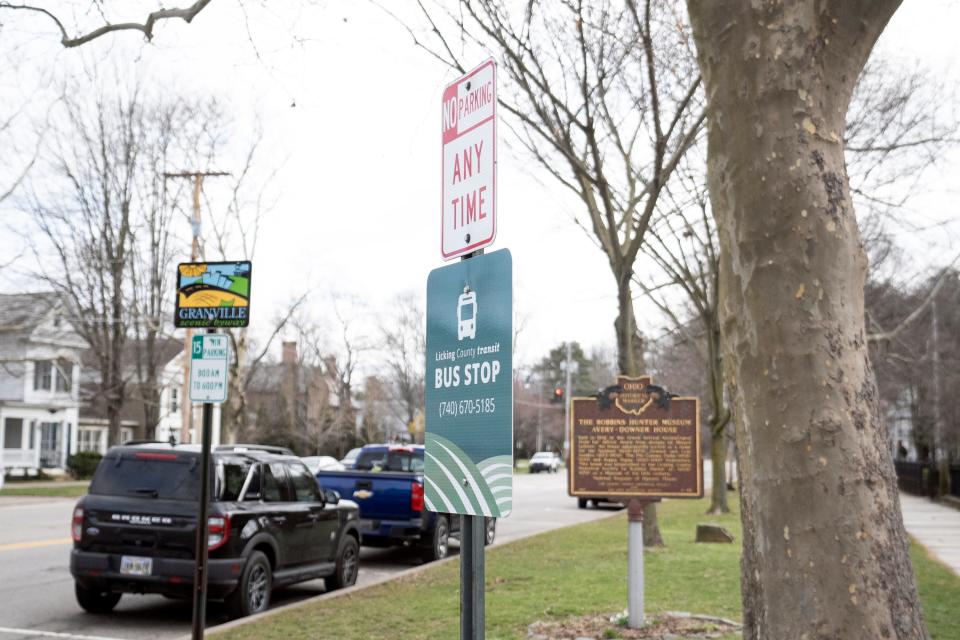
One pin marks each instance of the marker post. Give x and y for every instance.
(472, 566)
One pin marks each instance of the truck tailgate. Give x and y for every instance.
(381, 495)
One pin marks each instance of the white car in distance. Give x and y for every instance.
(545, 461)
(323, 463)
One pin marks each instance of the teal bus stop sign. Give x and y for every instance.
(468, 467)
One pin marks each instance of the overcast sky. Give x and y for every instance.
(358, 189)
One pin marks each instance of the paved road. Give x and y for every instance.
(36, 590)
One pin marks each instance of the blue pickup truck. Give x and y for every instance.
(387, 482)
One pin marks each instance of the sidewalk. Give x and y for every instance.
(934, 526)
(29, 484)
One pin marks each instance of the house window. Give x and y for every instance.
(42, 375)
(91, 440)
(126, 435)
(64, 376)
(174, 399)
(13, 433)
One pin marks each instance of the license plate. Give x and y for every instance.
(134, 566)
(369, 525)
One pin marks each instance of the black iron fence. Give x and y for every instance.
(923, 478)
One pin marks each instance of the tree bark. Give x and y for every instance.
(631, 362)
(824, 550)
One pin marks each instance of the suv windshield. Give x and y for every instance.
(166, 476)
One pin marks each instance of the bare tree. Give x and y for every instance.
(84, 35)
(824, 552)
(606, 98)
(100, 205)
(234, 216)
(87, 217)
(683, 245)
(181, 135)
(336, 349)
(405, 351)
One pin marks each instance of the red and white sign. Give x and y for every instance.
(469, 117)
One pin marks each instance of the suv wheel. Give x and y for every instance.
(95, 600)
(439, 546)
(348, 565)
(252, 595)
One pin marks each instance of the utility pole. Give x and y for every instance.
(939, 450)
(568, 366)
(540, 416)
(186, 407)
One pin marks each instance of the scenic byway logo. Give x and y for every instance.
(213, 294)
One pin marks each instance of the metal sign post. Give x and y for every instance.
(200, 571)
(468, 460)
(635, 563)
(468, 465)
(472, 578)
(209, 295)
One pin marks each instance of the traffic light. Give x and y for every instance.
(557, 396)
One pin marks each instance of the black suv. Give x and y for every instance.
(270, 524)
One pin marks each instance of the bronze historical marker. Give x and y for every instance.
(635, 441)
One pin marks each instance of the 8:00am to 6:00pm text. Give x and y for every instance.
(456, 408)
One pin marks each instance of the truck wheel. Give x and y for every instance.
(252, 595)
(439, 545)
(582, 503)
(348, 565)
(95, 600)
(490, 531)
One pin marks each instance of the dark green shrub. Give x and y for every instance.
(82, 465)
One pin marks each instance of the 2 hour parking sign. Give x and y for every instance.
(469, 397)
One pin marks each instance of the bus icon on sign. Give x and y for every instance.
(467, 314)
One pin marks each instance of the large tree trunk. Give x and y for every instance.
(824, 550)
(631, 362)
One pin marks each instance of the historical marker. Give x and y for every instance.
(469, 397)
(635, 442)
(469, 169)
(213, 295)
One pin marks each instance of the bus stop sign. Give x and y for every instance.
(468, 467)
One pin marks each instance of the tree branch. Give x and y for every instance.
(187, 14)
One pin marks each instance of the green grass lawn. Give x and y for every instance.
(69, 491)
(939, 594)
(570, 572)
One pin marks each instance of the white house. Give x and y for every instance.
(39, 383)
(172, 414)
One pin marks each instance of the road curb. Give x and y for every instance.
(233, 624)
